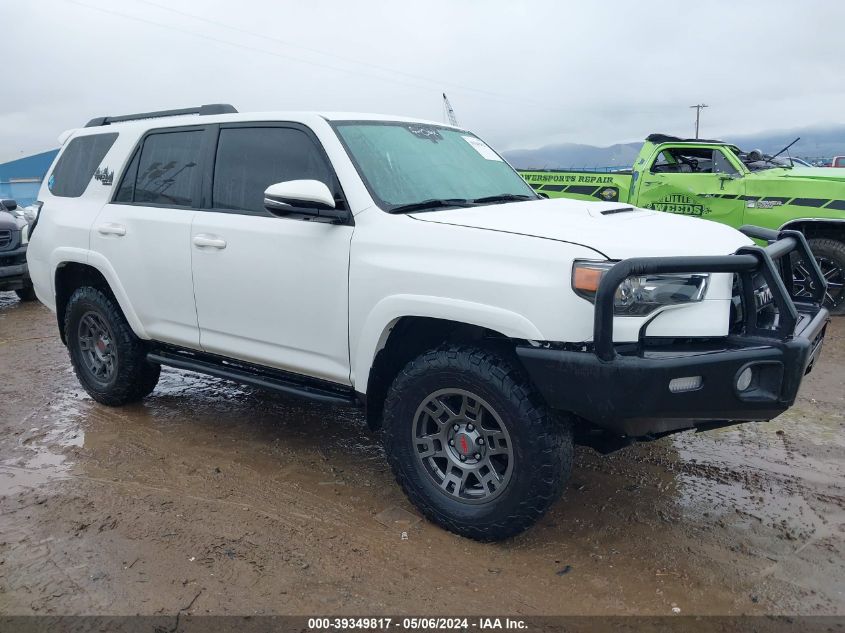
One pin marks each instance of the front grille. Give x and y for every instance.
(12, 260)
(5, 239)
(766, 317)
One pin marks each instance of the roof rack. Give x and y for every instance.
(203, 110)
(666, 138)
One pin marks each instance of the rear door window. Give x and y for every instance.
(168, 169)
(77, 164)
(250, 159)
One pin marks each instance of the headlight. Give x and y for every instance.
(25, 234)
(639, 295)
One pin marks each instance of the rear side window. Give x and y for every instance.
(165, 171)
(77, 164)
(251, 159)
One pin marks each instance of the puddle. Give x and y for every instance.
(769, 473)
(44, 457)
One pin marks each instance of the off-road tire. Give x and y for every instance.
(833, 250)
(133, 377)
(542, 444)
(26, 293)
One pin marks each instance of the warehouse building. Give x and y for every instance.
(20, 179)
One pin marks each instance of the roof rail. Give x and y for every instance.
(203, 110)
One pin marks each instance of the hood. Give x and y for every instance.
(617, 231)
(9, 221)
(833, 174)
(830, 174)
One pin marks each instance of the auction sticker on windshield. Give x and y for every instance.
(482, 148)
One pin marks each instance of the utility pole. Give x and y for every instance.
(698, 108)
(450, 113)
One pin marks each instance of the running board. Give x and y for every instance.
(247, 373)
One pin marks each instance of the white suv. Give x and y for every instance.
(404, 266)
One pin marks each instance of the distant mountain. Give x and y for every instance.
(816, 142)
(574, 156)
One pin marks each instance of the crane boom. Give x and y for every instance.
(450, 113)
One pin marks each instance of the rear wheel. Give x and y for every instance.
(472, 444)
(109, 360)
(830, 255)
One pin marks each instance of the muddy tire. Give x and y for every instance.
(26, 294)
(108, 359)
(472, 444)
(830, 255)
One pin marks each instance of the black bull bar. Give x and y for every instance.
(772, 261)
(629, 391)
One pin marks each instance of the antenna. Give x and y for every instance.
(450, 113)
(785, 149)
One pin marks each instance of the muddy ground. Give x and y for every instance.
(210, 497)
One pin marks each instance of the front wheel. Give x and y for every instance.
(472, 444)
(830, 255)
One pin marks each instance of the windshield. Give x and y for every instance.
(412, 164)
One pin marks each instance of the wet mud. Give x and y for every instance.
(209, 497)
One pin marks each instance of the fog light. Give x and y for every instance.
(688, 383)
(743, 382)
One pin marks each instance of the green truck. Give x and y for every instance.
(718, 181)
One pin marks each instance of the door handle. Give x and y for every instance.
(110, 228)
(209, 241)
(652, 182)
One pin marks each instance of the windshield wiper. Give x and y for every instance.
(433, 203)
(503, 197)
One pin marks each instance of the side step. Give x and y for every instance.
(247, 373)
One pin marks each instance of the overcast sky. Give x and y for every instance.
(520, 74)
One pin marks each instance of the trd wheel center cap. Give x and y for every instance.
(465, 445)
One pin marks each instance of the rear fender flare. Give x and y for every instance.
(101, 264)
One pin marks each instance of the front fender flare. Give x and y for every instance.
(378, 324)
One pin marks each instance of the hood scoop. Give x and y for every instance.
(615, 211)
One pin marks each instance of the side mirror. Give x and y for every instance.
(307, 197)
(9, 205)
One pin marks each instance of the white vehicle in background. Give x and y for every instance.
(788, 161)
(402, 265)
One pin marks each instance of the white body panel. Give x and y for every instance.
(320, 299)
(148, 251)
(275, 294)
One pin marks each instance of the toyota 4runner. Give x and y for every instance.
(404, 266)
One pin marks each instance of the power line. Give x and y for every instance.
(436, 81)
(294, 58)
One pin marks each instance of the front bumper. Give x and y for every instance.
(626, 388)
(14, 273)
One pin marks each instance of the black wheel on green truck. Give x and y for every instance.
(830, 255)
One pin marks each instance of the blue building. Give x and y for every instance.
(20, 179)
